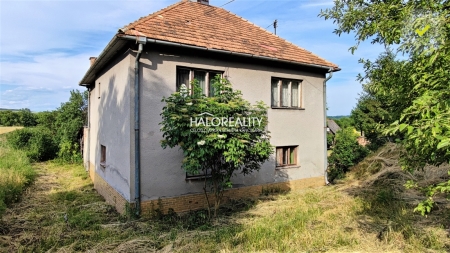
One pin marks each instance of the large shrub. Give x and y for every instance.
(346, 153)
(37, 142)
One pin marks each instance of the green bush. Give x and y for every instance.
(346, 153)
(37, 142)
(330, 140)
(69, 152)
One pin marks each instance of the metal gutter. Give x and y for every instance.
(163, 42)
(137, 147)
(325, 164)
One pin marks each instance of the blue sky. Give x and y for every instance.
(45, 45)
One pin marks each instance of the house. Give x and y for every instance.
(151, 57)
(333, 127)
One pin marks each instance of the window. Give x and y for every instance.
(286, 156)
(102, 156)
(200, 175)
(286, 93)
(204, 78)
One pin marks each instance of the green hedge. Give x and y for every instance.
(37, 142)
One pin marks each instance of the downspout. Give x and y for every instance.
(137, 151)
(325, 161)
(88, 149)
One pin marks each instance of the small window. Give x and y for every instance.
(102, 156)
(286, 156)
(204, 77)
(286, 93)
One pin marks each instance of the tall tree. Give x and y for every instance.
(71, 117)
(414, 90)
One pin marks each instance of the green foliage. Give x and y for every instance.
(346, 153)
(222, 150)
(9, 118)
(15, 174)
(330, 140)
(69, 152)
(414, 90)
(27, 118)
(23, 117)
(344, 122)
(47, 119)
(37, 142)
(71, 117)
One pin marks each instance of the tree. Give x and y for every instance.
(70, 119)
(220, 135)
(47, 119)
(414, 90)
(27, 118)
(346, 153)
(344, 122)
(9, 118)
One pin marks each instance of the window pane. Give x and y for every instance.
(182, 78)
(279, 157)
(285, 156)
(285, 93)
(274, 92)
(295, 94)
(200, 76)
(212, 76)
(292, 156)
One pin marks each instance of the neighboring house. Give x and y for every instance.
(333, 127)
(150, 58)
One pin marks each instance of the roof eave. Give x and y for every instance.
(119, 40)
(164, 42)
(114, 45)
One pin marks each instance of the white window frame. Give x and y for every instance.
(192, 74)
(280, 89)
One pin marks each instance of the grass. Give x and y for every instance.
(16, 173)
(61, 212)
(4, 129)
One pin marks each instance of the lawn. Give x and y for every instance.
(16, 173)
(62, 212)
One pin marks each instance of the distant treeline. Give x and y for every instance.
(49, 134)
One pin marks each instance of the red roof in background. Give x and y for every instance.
(211, 27)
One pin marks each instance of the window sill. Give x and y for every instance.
(288, 108)
(288, 167)
(196, 178)
(103, 165)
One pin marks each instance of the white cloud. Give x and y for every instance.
(45, 44)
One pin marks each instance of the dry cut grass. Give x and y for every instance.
(4, 130)
(369, 212)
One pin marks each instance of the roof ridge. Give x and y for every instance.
(230, 24)
(272, 34)
(152, 15)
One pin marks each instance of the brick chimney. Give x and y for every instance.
(203, 1)
(92, 60)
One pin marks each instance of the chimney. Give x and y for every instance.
(92, 60)
(203, 2)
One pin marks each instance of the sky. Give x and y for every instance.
(45, 45)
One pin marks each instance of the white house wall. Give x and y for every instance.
(161, 173)
(111, 124)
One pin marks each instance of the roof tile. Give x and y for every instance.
(213, 27)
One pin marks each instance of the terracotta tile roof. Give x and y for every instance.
(211, 27)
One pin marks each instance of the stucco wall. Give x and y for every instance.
(162, 175)
(111, 124)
